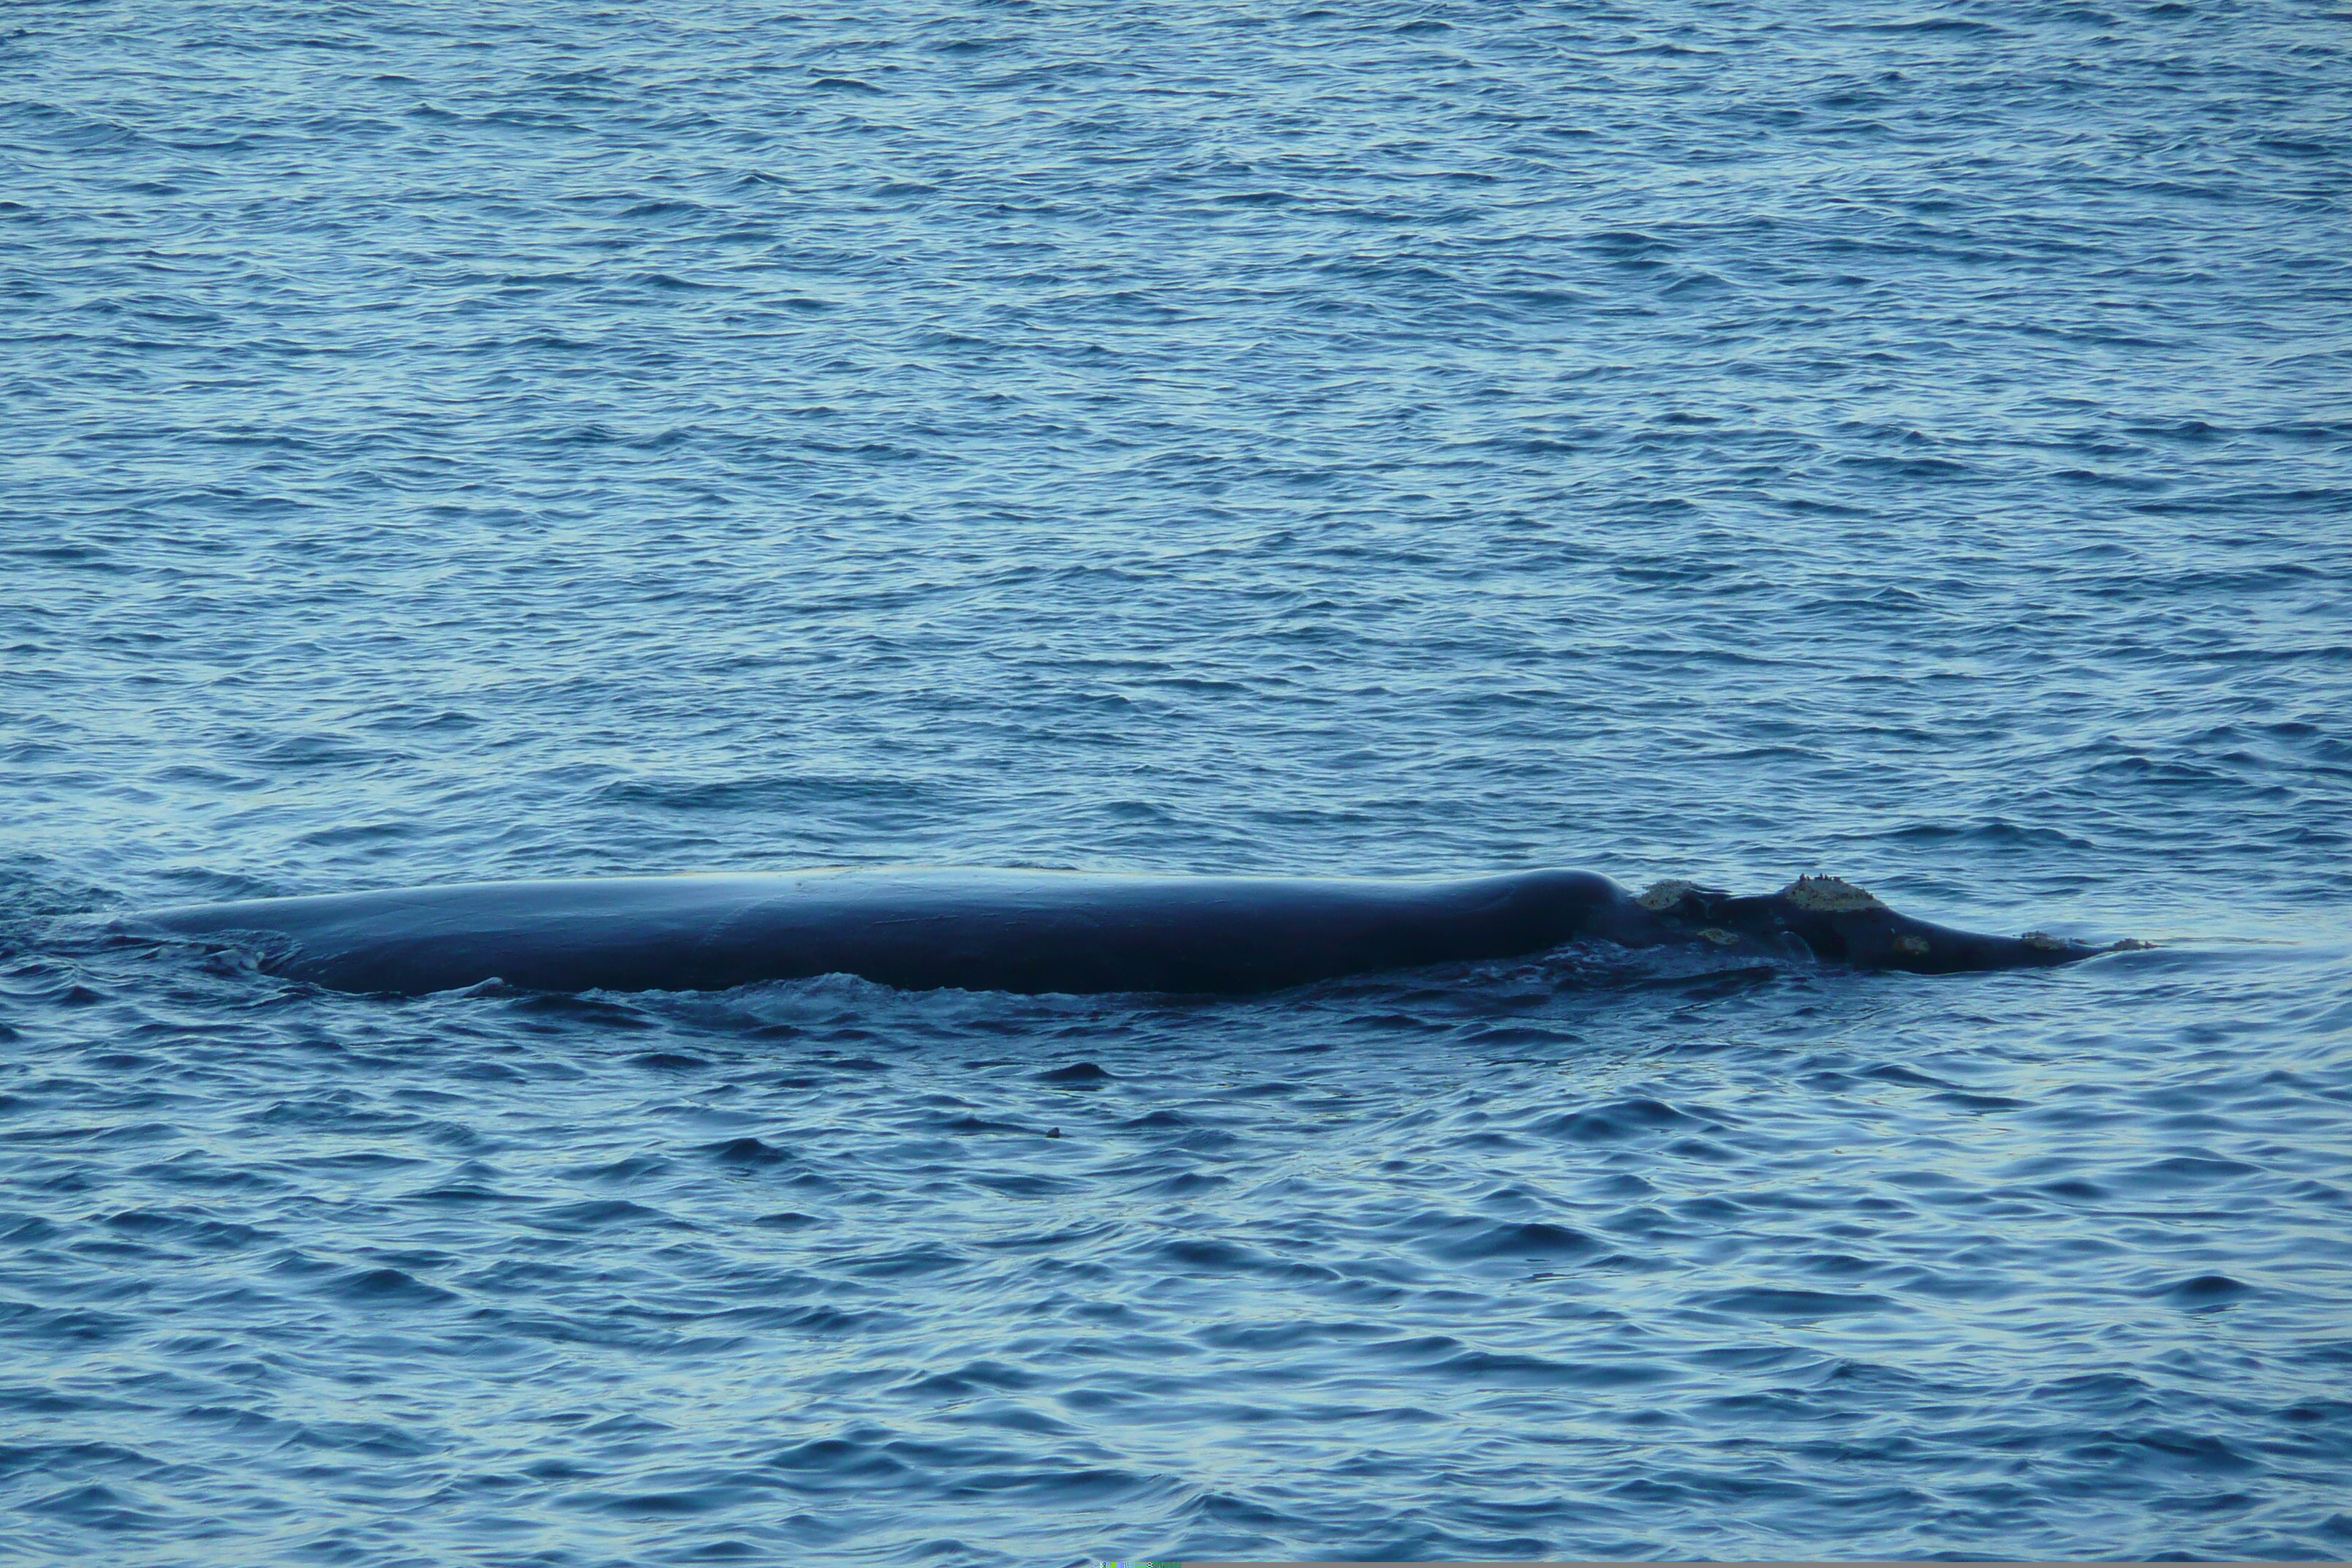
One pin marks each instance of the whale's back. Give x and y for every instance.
(1004, 931)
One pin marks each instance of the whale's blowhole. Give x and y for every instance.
(1660, 897)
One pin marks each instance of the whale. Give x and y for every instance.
(1041, 932)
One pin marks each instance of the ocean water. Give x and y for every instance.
(1672, 437)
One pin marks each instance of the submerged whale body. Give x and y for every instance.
(1037, 931)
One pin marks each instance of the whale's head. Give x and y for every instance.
(1843, 923)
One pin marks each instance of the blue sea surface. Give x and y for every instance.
(1711, 438)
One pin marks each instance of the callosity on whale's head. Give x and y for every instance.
(1837, 920)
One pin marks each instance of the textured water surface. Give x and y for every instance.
(1677, 439)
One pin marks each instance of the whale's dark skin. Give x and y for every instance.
(1037, 931)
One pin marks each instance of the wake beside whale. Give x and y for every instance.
(1044, 931)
